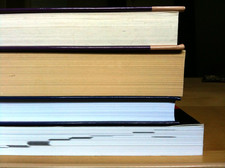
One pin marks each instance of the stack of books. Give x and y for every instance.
(93, 81)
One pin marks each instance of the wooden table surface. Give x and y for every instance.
(203, 101)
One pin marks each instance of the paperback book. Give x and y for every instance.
(183, 139)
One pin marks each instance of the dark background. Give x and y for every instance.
(201, 27)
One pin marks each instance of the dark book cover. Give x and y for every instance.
(90, 9)
(88, 99)
(141, 48)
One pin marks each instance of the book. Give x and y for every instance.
(173, 140)
(88, 111)
(158, 73)
(92, 28)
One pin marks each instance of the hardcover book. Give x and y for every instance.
(90, 111)
(92, 74)
(122, 28)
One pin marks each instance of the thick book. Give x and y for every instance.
(183, 139)
(92, 74)
(89, 28)
(91, 111)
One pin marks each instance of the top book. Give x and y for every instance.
(109, 26)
